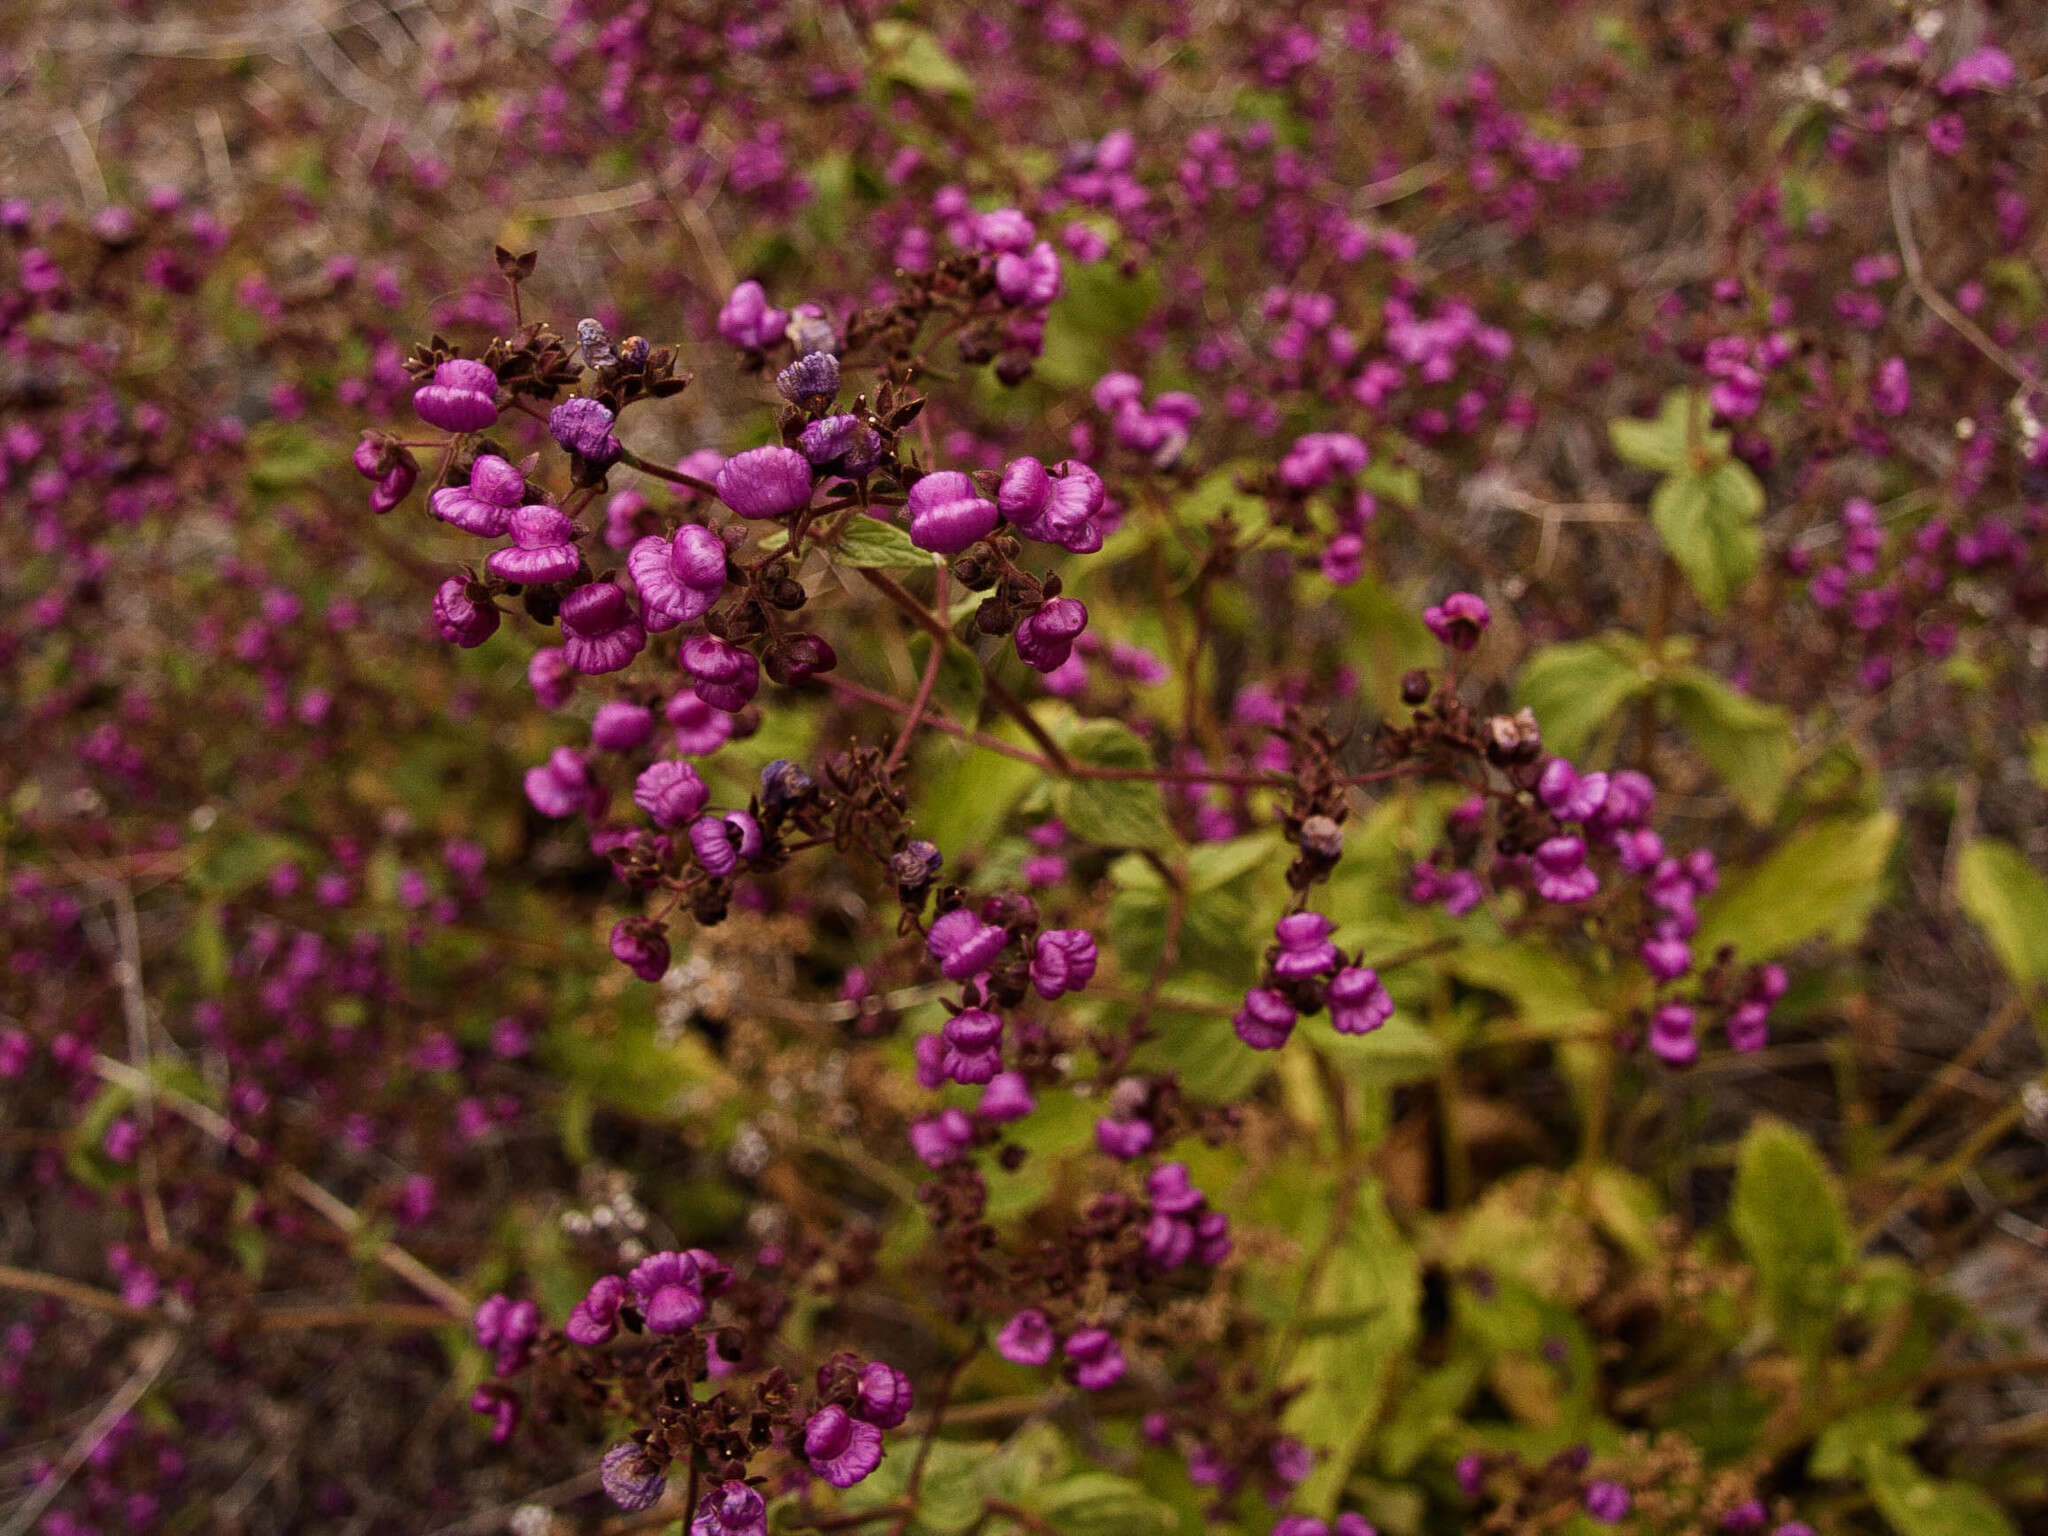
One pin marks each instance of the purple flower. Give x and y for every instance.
(1031, 279)
(1458, 621)
(679, 578)
(1172, 1191)
(1026, 1339)
(1671, 1035)
(1358, 1001)
(1265, 1021)
(640, 945)
(670, 1291)
(699, 728)
(562, 786)
(542, 549)
(1123, 1139)
(633, 1479)
(621, 725)
(842, 444)
(1053, 509)
(1983, 69)
(552, 681)
(1608, 1502)
(1007, 1097)
(484, 506)
(1569, 795)
(1003, 229)
(1098, 1361)
(839, 1447)
(812, 379)
(1063, 961)
(670, 792)
(942, 1138)
(746, 320)
(731, 1509)
(1749, 1026)
(974, 1046)
(1561, 872)
(1745, 1517)
(584, 427)
(509, 1328)
(464, 618)
(462, 398)
(1305, 947)
(393, 468)
(765, 482)
(600, 631)
(1629, 800)
(1046, 639)
(711, 840)
(1891, 394)
(947, 513)
(727, 677)
(885, 1396)
(963, 945)
(596, 1317)
(1320, 457)
(1665, 954)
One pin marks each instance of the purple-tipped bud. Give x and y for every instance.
(812, 379)
(765, 482)
(1458, 621)
(463, 397)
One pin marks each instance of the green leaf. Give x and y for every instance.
(1788, 1217)
(910, 55)
(2007, 897)
(1667, 443)
(1100, 1504)
(958, 688)
(1548, 995)
(1707, 521)
(869, 544)
(1577, 687)
(1877, 1427)
(1112, 813)
(1914, 1504)
(1822, 882)
(1748, 744)
(1371, 1275)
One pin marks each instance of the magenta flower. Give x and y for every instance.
(885, 1395)
(1007, 1097)
(1305, 947)
(1123, 1139)
(641, 946)
(765, 482)
(727, 677)
(464, 616)
(1063, 961)
(1097, 1360)
(1458, 621)
(963, 945)
(1031, 279)
(1046, 639)
(942, 1138)
(840, 1448)
(669, 1290)
(747, 320)
(1358, 1001)
(948, 513)
(731, 1509)
(1568, 794)
(670, 792)
(463, 397)
(1026, 1339)
(1053, 509)
(621, 725)
(542, 549)
(600, 631)
(1561, 872)
(680, 578)
(699, 728)
(1265, 1021)
(1671, 1035)
(584, 427)
(562, 786)
(484, 506)
(595, 1318)
(974, 1046)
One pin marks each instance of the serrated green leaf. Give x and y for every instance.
(869, 544)
(1112, 813)
(2008, 898)
(1707, 521)
(1748, 744)
(1577, 687)
(1787, 1214)
(1822, 882)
